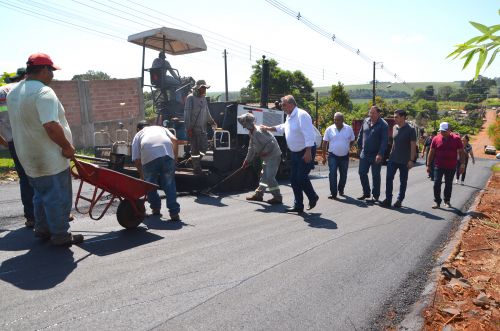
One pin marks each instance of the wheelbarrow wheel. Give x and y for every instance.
(127, 216)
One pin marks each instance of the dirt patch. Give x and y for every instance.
(8, 176)
(468, 292)
(481, 139)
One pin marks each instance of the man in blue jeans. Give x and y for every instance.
(43, 142)
(403, 154)
(153, 152)
(443, 161)
(372, 141)
(337, 141)
(299, 135)
(6, 141)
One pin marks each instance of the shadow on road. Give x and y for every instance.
(158, 223)
(316, 221)
(409, 210)
(42, 267)
(351, 201)
(209, 199)
(118, 241)
(18, 240)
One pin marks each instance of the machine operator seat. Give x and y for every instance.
(160, 79)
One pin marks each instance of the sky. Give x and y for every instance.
(409, 39)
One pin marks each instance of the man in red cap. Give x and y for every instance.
(43, 142)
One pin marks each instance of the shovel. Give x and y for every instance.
(223, 181)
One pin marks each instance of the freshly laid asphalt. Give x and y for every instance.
(232, 264)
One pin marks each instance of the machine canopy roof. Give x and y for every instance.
(176, 41)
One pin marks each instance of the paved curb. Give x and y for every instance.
(414, 320)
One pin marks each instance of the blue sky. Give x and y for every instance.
(410, 38)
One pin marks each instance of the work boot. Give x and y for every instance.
(67, 240)
(255, 197)
(42, 234)
(30, 223)
(276, 200)
(156, 212)
(175, 217)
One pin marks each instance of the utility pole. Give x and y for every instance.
(225, 73)
(373, 83)
(317, 110)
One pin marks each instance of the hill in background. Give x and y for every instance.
(323, 91)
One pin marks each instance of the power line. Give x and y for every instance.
(68, 18)
(328, 35)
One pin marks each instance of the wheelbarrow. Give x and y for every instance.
(129, 190)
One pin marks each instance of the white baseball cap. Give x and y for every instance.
(444, 126)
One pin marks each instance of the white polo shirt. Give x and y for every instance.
(151, 143)
(339, 142)
(298, 129)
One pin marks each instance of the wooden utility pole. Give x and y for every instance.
(317, 110)
(373, 83)
(225, 74)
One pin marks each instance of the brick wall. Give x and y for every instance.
(100, 104)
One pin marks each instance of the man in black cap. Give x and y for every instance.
(7, 141)
(196, 117)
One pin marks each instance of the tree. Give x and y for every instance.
(419, 94)
(429, 92)
(480, 45)
(444, 92)
(282, 82)
(458, 95)
(340, 95)
(338, 101)
(92, 75)
(477, 90)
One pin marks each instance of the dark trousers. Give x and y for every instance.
(465, 169)
(299, 178)
(365, 164)
(448, 183)
(26, 189)
(392, 167)
(340, 164)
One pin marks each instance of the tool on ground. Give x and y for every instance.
(224, 180)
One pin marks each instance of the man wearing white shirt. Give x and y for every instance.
(337, 141)
(299, 134)
(153, 152)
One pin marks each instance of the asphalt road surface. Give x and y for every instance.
(231, 264)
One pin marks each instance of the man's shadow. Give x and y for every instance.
(316, 221)
(209, 199)
(351, 201)
(42, 267)
(158, 223)
(408, 211)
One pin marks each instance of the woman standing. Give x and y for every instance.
(468, 151)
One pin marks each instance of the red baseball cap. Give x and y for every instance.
(41, 59)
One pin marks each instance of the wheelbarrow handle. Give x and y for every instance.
(81, 171)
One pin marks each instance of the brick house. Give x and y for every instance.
(100, 104)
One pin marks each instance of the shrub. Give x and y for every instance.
(494, 133)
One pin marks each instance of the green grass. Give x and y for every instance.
(496, 167)
(6, 162)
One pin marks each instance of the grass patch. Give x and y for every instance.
(6, 162)
(496, 167)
